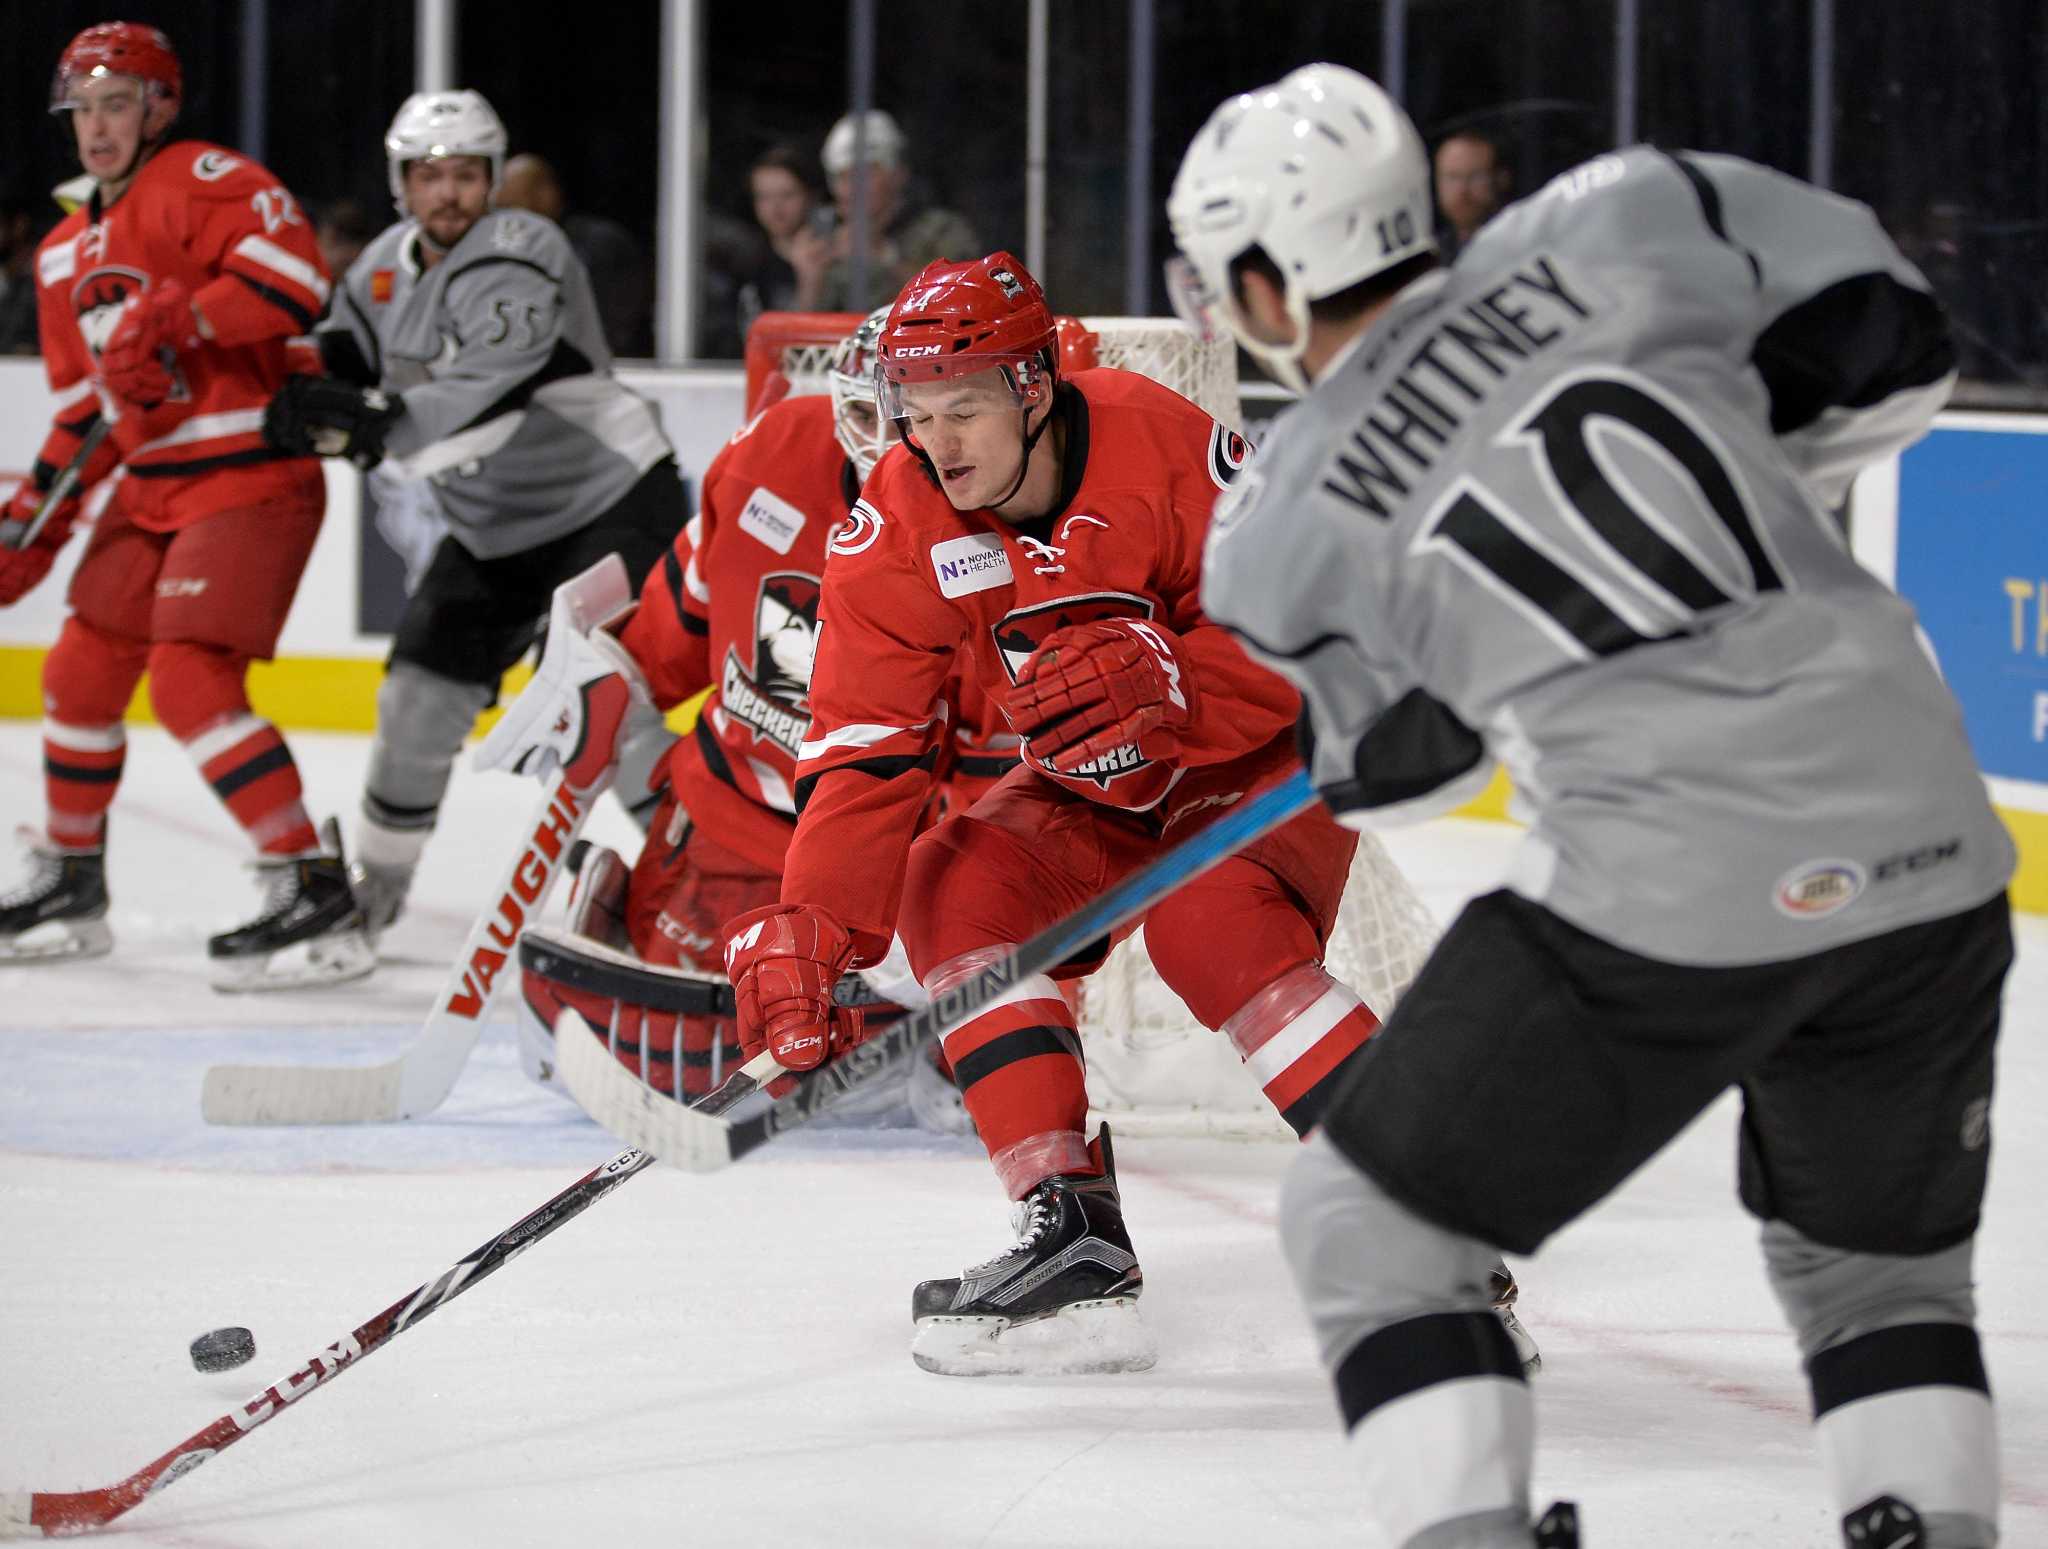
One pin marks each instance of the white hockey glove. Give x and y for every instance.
(572, 714)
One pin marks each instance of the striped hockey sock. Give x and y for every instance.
(1295, 1036)
(81, 771)
(251, 770)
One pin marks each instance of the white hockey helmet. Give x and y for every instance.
(443, 123)
(856, 418)
(1324, 172)
(884, 142)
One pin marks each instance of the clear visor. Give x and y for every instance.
(999, 389)
(856, 422)
(71, 90)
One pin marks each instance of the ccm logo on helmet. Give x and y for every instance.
(919, 349)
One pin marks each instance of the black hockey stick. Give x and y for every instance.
(700, 1139)
(60, 488)
(54, 1513)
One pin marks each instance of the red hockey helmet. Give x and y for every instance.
(958, 318)
(117, 48)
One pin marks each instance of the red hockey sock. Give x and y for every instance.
(81, 769)
(199, 696)
(87, 678)
(1018, 1066)
(1295, 1035)
(250, 769)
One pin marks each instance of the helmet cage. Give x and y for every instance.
(856, 415)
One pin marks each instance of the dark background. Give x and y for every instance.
(1941, 110)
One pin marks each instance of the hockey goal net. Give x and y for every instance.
(1152, 1068)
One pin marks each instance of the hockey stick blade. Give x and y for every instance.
(700, 1139)
(58, 1513)
(59, 491)
(420, 1079)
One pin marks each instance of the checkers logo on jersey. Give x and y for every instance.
(771, 693)
(1019, 635)
(1817, 888)
(99, 300)
(857, 534)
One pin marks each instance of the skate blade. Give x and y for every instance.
(57, 941)
(1085, 1338)
(323, 960)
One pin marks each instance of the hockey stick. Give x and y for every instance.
(420, 1078)
(699, 1139)
(53, 1513)
(60, 487)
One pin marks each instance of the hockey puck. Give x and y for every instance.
(223, 1350)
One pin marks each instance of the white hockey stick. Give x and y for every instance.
(420, 1079)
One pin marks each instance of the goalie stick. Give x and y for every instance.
(60, 487)
(57, 1513)
(421, 1077)
(701, 1139)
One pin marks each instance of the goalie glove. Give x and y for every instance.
(1094, 688)
(317, 416)
(783, 961)
(586, 690)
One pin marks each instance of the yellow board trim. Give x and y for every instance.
(299, 693)
(332, 693)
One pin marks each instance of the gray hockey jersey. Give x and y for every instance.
(511, 409)
(1566, 505)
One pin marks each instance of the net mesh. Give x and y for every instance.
(1152, 1069)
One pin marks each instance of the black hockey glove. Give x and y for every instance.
(315, 416)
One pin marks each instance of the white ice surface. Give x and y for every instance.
(722, 1360)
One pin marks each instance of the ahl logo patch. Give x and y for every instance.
(1814, 889)
(975, 563)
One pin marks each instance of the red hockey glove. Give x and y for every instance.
(21, 569)
(157, 326)
(783, 961)
(1094, 688)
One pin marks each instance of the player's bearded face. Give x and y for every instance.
(972, 428)
(447, 195)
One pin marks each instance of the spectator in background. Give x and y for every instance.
(343, 230)
(905, 231)
(1471, 183)
(798, 225)
(619, 273)
(20, 230)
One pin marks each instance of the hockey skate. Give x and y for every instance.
(310, 930)
(60, 911)
(1505, 1291)
(1064, 1299)
(380, 894)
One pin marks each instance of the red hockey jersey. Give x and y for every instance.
(733, 606)
(913, 584)
(231, 234)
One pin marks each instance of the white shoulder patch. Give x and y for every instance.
(772, 519)
(975, 563)
(211, 166)
(857, 534)
(54, 265)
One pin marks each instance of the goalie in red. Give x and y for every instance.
(1046, 534)
(732, 607)
(166, 304)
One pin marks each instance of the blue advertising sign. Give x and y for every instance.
(1973, 559)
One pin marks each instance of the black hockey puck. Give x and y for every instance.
(223, 1350)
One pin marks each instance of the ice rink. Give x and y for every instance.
(722, 1360)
